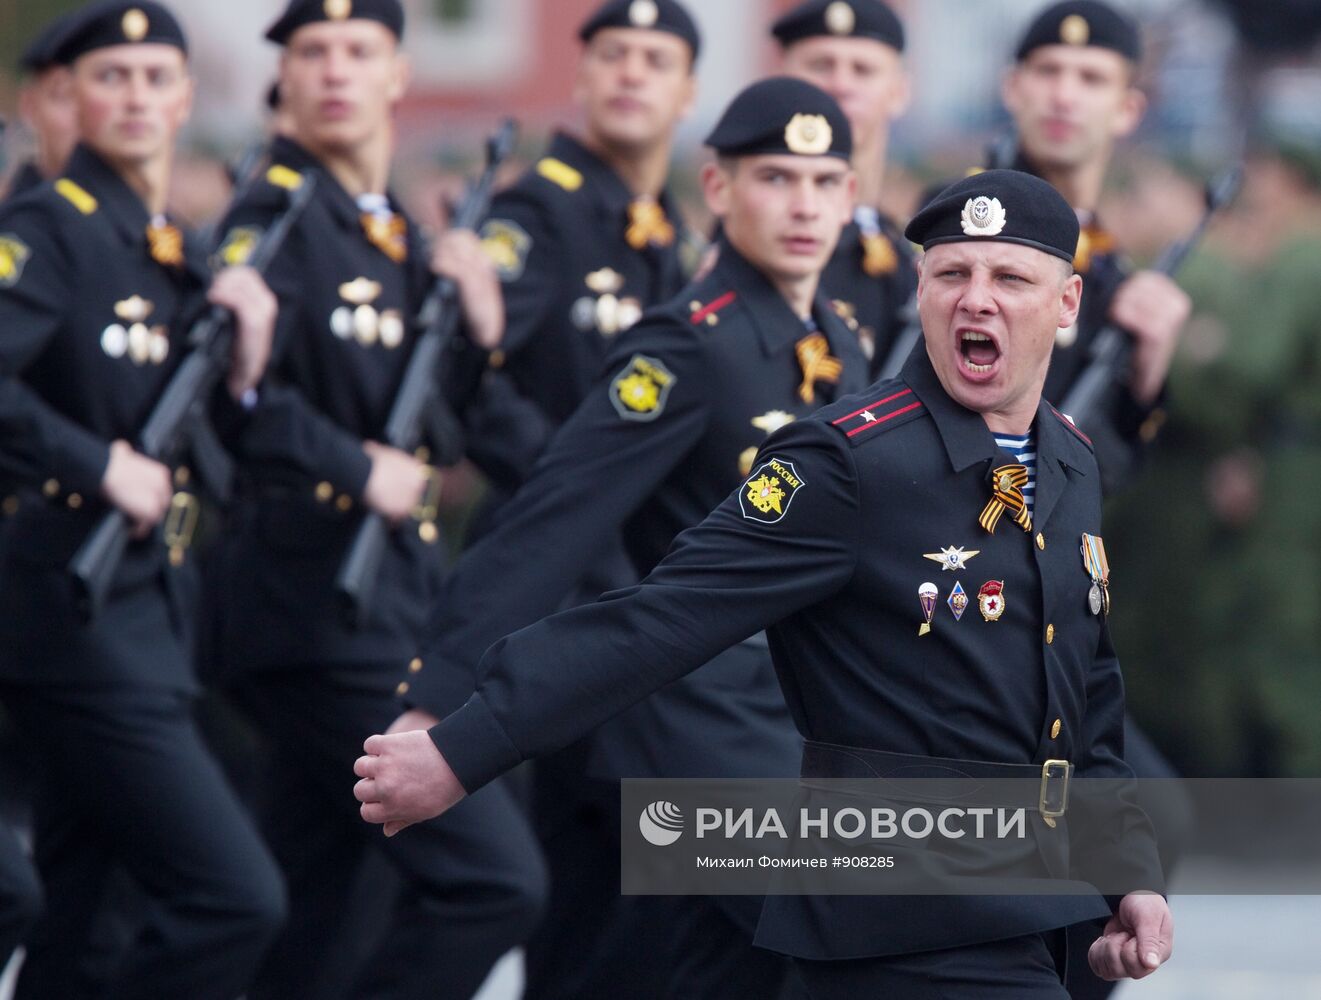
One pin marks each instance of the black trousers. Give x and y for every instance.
(20, 894)
(1020, 968)
(471, 884)
(128, 791)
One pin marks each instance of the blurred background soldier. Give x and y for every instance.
(98, 289)
(46, 106)
(352, 280)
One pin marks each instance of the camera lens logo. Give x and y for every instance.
(661, 823)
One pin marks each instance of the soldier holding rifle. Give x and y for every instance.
(351, 283)
(98, 289)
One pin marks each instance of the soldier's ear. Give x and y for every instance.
(1132, 107)
(400, 77)
(716, 178)
(1070, 301)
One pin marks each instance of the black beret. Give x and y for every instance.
(114, 22)
(1003, 206)
(1083, 22)
(656, 15)
(840, 19)
(40, 52)
(301, 12)
(783, 115)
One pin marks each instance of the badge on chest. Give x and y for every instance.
(359, 319)
(132, 338)
(605, 310)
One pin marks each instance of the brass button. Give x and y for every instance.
(1055, 728)
(50, 487)
(74, 501)
(402, 689)
(343, 502)
(415, 665)
(497, 359)
(182, 475)
(1041, 541)
(1050, 634)
(10, 506)
(324, 491)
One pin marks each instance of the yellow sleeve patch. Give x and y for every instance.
(639, 391)
(559, 172)
(79, 198)
(14, 253)
(284, 177)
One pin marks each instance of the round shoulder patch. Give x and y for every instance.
(14, 253)
(507, 244)
(639, 391)
(766, 495)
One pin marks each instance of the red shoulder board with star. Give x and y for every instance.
(1068, 422)
(707, 313)
(893, 408)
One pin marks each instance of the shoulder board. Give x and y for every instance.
(76, 196)
(895, 404)
(559, 172)
(708, 313)
(1067, 421)
(284, 177)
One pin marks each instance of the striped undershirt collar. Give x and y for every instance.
(1024, 449)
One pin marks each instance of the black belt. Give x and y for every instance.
(1044, 786)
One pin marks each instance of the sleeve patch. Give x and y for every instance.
(238, 246)
(639, 391)
(14, 253)
(766, 495)
(508, 245)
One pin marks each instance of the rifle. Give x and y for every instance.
(1000, 154)
(1112, 348)
(426, 372)
(97, 560)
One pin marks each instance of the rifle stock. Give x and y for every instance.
(427, 369)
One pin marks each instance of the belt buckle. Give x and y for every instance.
(1054, 798)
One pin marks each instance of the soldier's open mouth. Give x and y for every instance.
(979, 351)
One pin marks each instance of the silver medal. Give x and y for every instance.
(1094, 598)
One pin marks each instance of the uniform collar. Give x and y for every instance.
(343, 206)
(606, 186)
(119, 202)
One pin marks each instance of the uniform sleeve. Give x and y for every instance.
(743, 569)
(598, 470)
(506, 431)
(520, 238)
(285, 430)
(37, 441)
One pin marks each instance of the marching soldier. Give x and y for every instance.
(45, 104)
(824, 544)
(353, 278)
(687, 397)
(853, 50)
(98, 290)
(1072, 94)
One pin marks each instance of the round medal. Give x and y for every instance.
(1094, 599)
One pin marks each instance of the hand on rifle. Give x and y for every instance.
(396, 482)
(459, 256)
(138, 486)
(242, 291)
(1153, 309)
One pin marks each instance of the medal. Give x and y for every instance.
(991, 600)
(927, 594)
(958, 601)
(1098, 568)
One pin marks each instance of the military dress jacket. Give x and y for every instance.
(572, 282)
(91, 329)
(844, 519)
(688, 396)
(343, 339)
(871, 279)
(25, 178)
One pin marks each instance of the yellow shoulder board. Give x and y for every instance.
(284, 177)
(559, 172)
(80, 199)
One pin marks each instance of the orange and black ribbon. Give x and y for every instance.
(878, 255)
(1007, 484)
(388, 235)
(1092, 240)
(165, 242)
(818, 366)
(647, 225)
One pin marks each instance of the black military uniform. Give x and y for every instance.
(689, 394)
(351, 281)
(96, 300)
(872, 275)
(20, 894)
(825, 545)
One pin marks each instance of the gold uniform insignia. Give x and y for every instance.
(1074, 30)
(14, 253)
(338, 10)
(507, 244)
(284, 177)
(639, 391)
(767, 493)
(643, 13)
(238, 246)
(808, 135)
(76, 196)
(840, 19)
(132, 338)
(135, 25)
(559, 172)
(361, 321)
